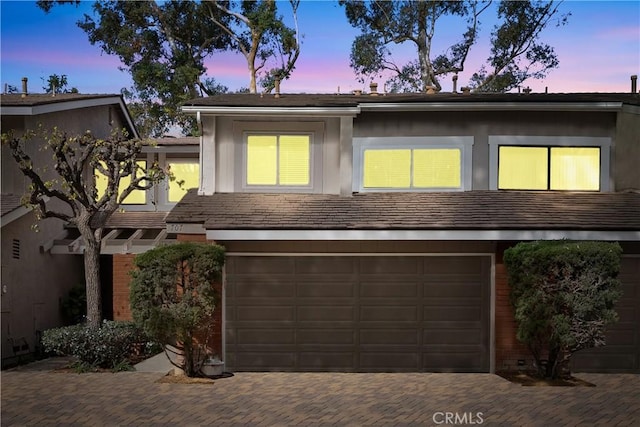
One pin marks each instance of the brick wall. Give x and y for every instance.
(508, 349)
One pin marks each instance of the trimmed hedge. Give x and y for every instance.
(108, 346)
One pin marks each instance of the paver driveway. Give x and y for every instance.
(43, 397)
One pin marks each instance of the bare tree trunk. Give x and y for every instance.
(92, 277)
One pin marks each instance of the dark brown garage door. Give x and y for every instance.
(357, 313)
(622, 352)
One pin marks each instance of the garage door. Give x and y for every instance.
(358, 313)
(622, 352)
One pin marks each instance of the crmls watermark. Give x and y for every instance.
(457, 418)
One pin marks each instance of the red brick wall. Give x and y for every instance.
(508, 349)
(122, 265)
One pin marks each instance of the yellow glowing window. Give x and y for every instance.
(412, 168)
(575, 168)
(136, 197)
(387, 168)
(436, 168)
(549, 168)
(523, 168)
(278, 160)
(187, 175)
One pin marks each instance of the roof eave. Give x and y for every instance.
(272, 111)
(494, 106)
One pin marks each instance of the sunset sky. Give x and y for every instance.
(598, 50)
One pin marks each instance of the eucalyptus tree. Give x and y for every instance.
(269, 46)
(66, 188)
(166, 47)
(516, 54)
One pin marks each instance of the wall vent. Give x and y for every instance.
(15, 249)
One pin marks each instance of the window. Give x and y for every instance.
(186, 175)
(412, 164)
(136, 197)
(557, 165)
(278, 160)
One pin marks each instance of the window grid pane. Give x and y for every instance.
(523, 168)
(294, 156)
(575, 169)
(387, 169)
(186, 176)
(262, 159)
(436, 168)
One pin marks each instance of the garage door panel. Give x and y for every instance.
(326, 288)
(265, 313)
(409, 336)
(400, 313)
(452, 337)
(448, 361)
(325, 313)
(266, 336)
(453, 313)
(389, 265)
(324, 361)
(436, 324)
(267, 361)
(266, 288)
(383, 290)
(453, 265)
(260, 265)
(325, 336)
(389, 361)
(329, 266)
(454, 289)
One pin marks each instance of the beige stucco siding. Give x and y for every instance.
(627, 151)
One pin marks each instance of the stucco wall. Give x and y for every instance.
(627, 151)
(34, 284)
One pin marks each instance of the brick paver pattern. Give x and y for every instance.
(32, 397)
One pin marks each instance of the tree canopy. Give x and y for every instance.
(69, 179)
(164, 46)
(517, 53)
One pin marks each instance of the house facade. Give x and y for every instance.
(35, 279)
(366, 233)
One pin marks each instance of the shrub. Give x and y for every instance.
(563, 294)
(108, 346)
(173, 297)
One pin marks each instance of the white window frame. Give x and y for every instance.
(314, 129)
(463, 143)
(604, 143)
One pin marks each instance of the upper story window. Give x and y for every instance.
(186, 174)
(549, 163)
(412, 164)
(136, 197)
(278, 156)
(278, 160)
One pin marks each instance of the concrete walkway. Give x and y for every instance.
(35, 395)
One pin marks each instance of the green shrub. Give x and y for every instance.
(173, 297)
(107, 347)
(563, 294)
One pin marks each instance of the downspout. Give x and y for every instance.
(199, 123)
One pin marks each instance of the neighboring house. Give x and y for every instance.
(34, 278)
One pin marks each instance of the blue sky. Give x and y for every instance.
(598, 50)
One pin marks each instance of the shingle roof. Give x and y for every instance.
(137, 220)
(350, 100)
(473, 210)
